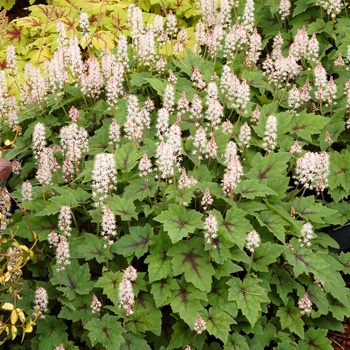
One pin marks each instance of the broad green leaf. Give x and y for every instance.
(136, 242)
(284, 282)
(41, 226)
(274, 223)
(187, 302)
(340, 170)
(52, 332)
(235, 226)
(268, 168)
(254, 78)
(146, 317)
(312, 211)
(123, 207)
(304, 260)
(315, 339)
(219, 323)
(179, 221)
(218, 297)
(265, 255)
(182, 336)
(190, 259)
(89, 246)
(162, 290)
(249, 295)
(140, 189)
(76, 279)
(301, 6)
(78, 309)
(254, 188)
(133, 341)
(237, 342)
(304, 125)
(290, 318)
(109, 282)
(157, 84)
(159, 264)
(139, 79)
(106, 331)
(126, 157)
(57, 202)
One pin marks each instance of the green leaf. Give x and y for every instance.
(187, 302)
(190, 259)
(284, 283)
(235, 226)
(265, 255)
(109, 282)
(57, 202)
(106, 331)
(77, 310)
(136, 243)
(42, 226)
(304, 260)
(146, 317)
(340, 170)
(52, 332)
(158, 85)
(290, 318)
(133, 341)
(274, 223)
(249, 295)
(315, 339)
(126, 157)
(304, 125)
(182, 336)
(219, 323)
(123, 207)
(179, 221)
(237, 342)
(162, 290)
(89, 246)
(140, 189)
(311, 211)
(218, 297)
(302, 5)
(159, 265)
(254, 188)
(76, 279)
(139, 79)
(268, 168)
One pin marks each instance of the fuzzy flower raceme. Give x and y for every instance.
(109, 227)
(211, 228)
(270, 135)
(104, 176)
(95, 305)
(253, 241)
(200, 325)
(126, 292)
(312, 171)
(307, 234)
(65, 220)
(41, 301)
(305, 304)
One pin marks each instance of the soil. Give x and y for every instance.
(340, 340)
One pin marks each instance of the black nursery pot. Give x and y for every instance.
(341, 234)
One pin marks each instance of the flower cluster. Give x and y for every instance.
(41, 301)
(312, 171)
(126, 292)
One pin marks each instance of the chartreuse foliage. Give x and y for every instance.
(191, 253)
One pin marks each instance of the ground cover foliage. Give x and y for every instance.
(178, 198)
